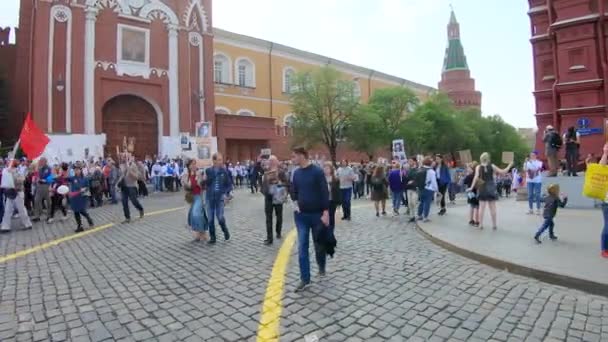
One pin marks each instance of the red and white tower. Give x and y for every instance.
(456, 79)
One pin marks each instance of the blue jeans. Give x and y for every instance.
(215, 208)
(347, 194)
(534, 194)
(305, 222)
(112, 190)
(547, 224)
(196, 215)
(426, 198)
(605, 230)
(397, 198)
(157, 182)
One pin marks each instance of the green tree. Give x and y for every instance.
(324, 104)
(364, 134)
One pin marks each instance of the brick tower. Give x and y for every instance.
(456, 79)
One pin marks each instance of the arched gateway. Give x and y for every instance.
(132, 117)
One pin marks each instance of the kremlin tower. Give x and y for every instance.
(456, 79)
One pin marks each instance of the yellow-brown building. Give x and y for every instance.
(252, 85)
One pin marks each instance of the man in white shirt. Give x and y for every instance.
(163, 175)
(347, 176)
(533, 169)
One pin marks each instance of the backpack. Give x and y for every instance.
(556, 141)
(96, 180)
(420, 178)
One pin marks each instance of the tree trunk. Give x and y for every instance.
(333, 154)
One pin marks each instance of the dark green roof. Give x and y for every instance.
(453, 18)
(454, 56)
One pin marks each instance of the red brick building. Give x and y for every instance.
(456, 79)
(569, 40)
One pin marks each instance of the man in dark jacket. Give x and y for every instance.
(311, 200)
(219, 186)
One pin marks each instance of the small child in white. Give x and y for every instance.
(552, 201)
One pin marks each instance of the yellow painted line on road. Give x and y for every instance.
(56, 242)
(268, 330)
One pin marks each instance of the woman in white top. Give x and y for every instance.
(484, 174)
(533, 169)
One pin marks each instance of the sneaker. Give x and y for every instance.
(227, 235)
(212, 241)
(441, 212)
(605, 254)
(27, 228)
(471, 223)
(530, 212)
(4, 231)
(279, 236)
(50, 220)
(141, 214)
(321, 274)
(301, 286)
(91, 224)
(426, 220)
(384, 213)
(127, 221)
(79, 230)
(65, 218)
(36, 219)
(412, 220)
(536, 238)
(267, 242)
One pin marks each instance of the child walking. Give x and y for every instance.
(78, 202)
(552, 201)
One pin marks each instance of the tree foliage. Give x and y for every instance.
(324, 104)
(434, 126)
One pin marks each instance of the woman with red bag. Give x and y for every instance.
(78, 202)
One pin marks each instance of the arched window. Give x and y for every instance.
(245, 72)
(221, 68)
(245, 112)
(357, 88)
(289, 120)
(222, 110)
(288, 75)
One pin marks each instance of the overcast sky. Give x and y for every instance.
(405, 38)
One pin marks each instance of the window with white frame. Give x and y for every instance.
(245, 112)
(222, 110)
(289, 120)
(356, 88)
(288, 79)
(245, 73)
(221, 69)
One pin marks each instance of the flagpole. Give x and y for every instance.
(15, 148)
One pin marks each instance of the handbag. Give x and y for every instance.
(596, 181)
(189, 197)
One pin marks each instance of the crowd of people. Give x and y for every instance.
(35, 192)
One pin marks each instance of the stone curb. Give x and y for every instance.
(548, 277)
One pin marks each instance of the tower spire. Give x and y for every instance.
(454, 54)
(456, 79)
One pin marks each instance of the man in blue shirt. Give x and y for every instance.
(311, 203)
(219, 186)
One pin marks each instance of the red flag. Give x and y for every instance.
(33, 140)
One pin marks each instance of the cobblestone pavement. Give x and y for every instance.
(388, 283)
(148, 281)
